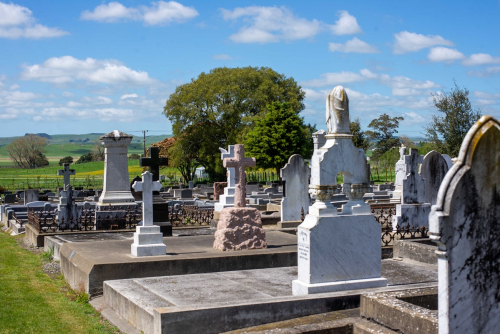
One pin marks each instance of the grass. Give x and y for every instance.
(33, 302)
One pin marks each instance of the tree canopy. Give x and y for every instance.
(218, 109)
(383, 132)
(279, 134)
(448, 131)
(359, 138)
(27, 151)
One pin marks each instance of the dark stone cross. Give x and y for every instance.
(154, 162)
(239, 162)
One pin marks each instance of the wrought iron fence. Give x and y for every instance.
(46, 221)
(190, 215)
(383, 215)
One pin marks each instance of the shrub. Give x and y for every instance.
(66, 160)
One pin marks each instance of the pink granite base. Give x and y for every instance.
(238, 229)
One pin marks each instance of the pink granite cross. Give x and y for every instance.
(239, 162)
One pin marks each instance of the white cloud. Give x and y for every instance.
(67, 94)
(400, 85)
(222, 57)
(97, 100)
(17, 22)
(270, 25)
(484, 95)
(128, 96)
(442, 54)
(480, 59)
(159, 13)
(346, 24)
(14, 87)
(488, 71)
(355, 45)
(485, 102)
(335, 78)
(412, 42)
(66, 69)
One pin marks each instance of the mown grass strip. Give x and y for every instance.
(32, 302)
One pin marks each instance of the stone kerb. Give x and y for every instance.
(296, 174)
(465, 225)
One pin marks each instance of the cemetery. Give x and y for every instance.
(419, 255)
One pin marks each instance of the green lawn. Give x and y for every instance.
(32, 302)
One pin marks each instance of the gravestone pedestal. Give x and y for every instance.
(160, 217)
(227, 199)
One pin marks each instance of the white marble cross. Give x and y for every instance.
(67, 174)
(230, 170)
(147, 186)
(239, 162)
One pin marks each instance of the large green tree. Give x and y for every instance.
(383, 132)
(359, 138)
(448, 131)
(27, 151)
(218, 109)
(278, 135)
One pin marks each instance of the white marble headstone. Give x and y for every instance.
(296, 175)
(465, 223)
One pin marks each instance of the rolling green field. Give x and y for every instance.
(60, 146)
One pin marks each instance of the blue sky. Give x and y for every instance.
(95, 66)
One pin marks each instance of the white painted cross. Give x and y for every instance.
(230, 170)
(67, 173)
(147, 186)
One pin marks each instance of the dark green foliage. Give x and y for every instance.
(448, 131)
(88, 157)
(278, 135)
(134, 156)
(389, 158)
(359, 138)
(66, 160)
(383, 132)
(41, 160)
(217, 109)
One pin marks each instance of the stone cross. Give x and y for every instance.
(154, 162)
(66, 172)
(413, 183)
(147, 186)
(239, 162)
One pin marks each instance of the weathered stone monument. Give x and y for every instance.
(239, 227)
(433, 170)
(30, 195)
(66, 209)
(66, 173)
(148, 238)
(465, 225)
(296, 200)
(116, 190)
(338, 251)
(227, 200)
(413, 211)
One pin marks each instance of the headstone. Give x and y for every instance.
(332, 253)
(148, 240)
(448, 160)
(227, 199)
(413, 212)
(66, 209)
(251, 188)
(219, 189)
(116, 178)
(137, 194)
(433, 170)
(239, 227)
(183, 193)
(66, 173)
(30, 195)
(296, 174)
(9, 199)
(190, 184)
(154, 162)
(319, 139)
(465, 224)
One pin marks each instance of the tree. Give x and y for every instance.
(66, 160)
(27, 151)
(278, 135)
(134, 156)
(448, 131)
(98, 151)
(406, 141)
(218, 109)
(359, 138)
(383, 132)
(87, 157)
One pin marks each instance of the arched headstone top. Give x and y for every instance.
(337, 111)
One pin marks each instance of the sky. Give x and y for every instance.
(75, 67)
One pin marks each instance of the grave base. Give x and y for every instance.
(148, 242)
(300, 288)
